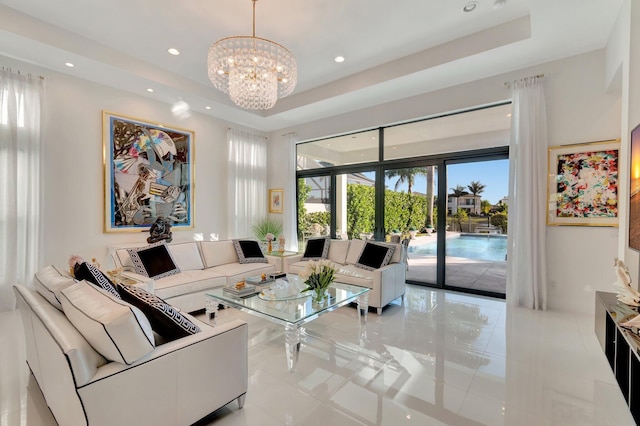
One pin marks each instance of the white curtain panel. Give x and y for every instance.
(247, 181)
(526, 270)
(290, 214)
(21, 114)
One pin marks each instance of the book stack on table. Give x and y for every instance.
(240, 292)
(259, 282)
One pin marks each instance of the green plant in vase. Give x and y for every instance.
(317, 276)
(266, 226)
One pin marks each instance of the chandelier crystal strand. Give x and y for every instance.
(254, 71)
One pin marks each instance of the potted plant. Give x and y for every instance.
(267, 227)
(413, 232)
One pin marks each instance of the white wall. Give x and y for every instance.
(579, 110)
(73, 168)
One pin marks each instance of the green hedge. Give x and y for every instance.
(401, 211)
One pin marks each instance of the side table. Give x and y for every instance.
(278, 259)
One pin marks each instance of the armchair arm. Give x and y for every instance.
(178, 383)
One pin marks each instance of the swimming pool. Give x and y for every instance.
(480, 247)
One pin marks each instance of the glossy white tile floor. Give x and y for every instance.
(441, 359)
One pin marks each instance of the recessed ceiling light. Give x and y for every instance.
(69, 64)
(207, 107)
(173, 51)
(339, 59)
(509, 115)
(150, 90)
(470, 7)
(499, 4)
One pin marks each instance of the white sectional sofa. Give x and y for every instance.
(203, 265)
(386, 283)
(176, 383)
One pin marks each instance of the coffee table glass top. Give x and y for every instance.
(292, 311)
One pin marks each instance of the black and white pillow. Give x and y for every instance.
(153, 261)
(248, 251)
(164, 318)
(317, 248)
(375, 256)
(88, 272)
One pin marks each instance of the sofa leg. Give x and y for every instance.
(379, 311)
(241, 400)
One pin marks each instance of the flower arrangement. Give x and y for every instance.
(269, 237)
(317, 276)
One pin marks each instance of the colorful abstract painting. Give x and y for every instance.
(148, 174)
(583, 184)
(634, 191)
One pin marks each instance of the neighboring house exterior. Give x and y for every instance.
(469, 202)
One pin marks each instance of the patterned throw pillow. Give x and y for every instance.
(153, 261)
(249, 251)
(375, 256)
(164, 318)
(317, 248)
(88, 272)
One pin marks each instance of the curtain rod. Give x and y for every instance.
(19, 73)
(509, 83)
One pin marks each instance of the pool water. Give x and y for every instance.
(480, 247)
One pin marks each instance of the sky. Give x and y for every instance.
(494, 174)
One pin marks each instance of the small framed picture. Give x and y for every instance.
(583, 184)
(275, 200)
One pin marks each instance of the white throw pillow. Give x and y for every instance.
(216, 253)
(338, 251)
(186, 255)
(49, 281)
(355, 248)
(117, 330)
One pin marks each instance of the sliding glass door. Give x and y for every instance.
(440, 184)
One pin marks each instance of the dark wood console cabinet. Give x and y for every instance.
(621, 346)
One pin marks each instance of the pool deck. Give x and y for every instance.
(460, 272)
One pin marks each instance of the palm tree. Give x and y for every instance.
(476, 188)
(430, 173)
(458, 191)
(407, 175)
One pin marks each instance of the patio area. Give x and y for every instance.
(460, 272)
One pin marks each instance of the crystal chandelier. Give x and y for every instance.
(254, 71)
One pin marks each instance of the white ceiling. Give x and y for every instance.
(392, 49)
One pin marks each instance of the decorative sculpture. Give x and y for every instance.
(626, 293)
(160, 230)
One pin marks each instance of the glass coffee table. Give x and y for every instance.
(292, 311)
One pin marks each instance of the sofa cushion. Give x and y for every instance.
(49, 281)
(355, 249)
(88, 272)
(153, 261)
(118, 331)
(217, 253)
(317, 248)
(375, 256)
(338, 251)
(248, 251)
(186, 256)
(164, 318)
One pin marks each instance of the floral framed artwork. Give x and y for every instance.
(275, 200)
(148, 173)
(583, 184)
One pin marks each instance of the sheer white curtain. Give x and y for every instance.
(527, 269)
(21, 114)
(290, 215)
(247, 181)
